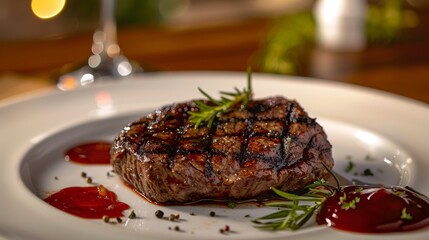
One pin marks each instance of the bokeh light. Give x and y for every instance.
(47, 8)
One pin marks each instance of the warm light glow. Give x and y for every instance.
(104, 102)
(103, 99)
(47, 8)
(68, 83)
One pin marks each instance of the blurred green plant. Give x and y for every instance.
(289, 37)
(285, 43)
(137, 12)
(386, 21)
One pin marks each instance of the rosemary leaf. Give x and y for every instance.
(229, 94)
(213, 109)
(296, 210)
(279, 204)
(290, 196)
(306, 216)
(209, 97)
(279, 214)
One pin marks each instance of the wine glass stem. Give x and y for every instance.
(106, 60)
(108, 27)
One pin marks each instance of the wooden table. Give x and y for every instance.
(401, 68)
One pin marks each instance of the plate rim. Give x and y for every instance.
(27, 98)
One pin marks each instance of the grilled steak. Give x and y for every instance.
(271, 142)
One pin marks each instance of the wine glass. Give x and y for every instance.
(107, 61)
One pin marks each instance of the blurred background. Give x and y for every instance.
(382, 44)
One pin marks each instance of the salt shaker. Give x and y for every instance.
(341, 24)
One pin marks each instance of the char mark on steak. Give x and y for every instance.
(271, 142)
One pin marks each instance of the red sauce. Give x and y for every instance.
(375, 210)
(90, 153)
(88, 202)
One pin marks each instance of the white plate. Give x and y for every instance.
(36, 130)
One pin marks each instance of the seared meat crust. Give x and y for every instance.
(271, 142)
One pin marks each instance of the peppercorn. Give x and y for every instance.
(212, 214)
(173, 217)
(159, 214)
(106, 218)
(226, 228)
(132, 215)
(88, 180)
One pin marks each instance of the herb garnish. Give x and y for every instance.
(405, 215)
(350, 204)
(298, 209)
(208, 112)
(232, 205)
(349, 166)
(399, 193)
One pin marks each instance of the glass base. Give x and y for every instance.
(106, 70)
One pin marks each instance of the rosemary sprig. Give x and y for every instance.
(296, 210)
(208, 112)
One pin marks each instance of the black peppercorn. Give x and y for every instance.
(159, 214)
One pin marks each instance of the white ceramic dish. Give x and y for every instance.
(36, 130)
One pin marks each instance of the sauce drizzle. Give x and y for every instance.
(88, 202)
(369, 209)
(90, 153)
